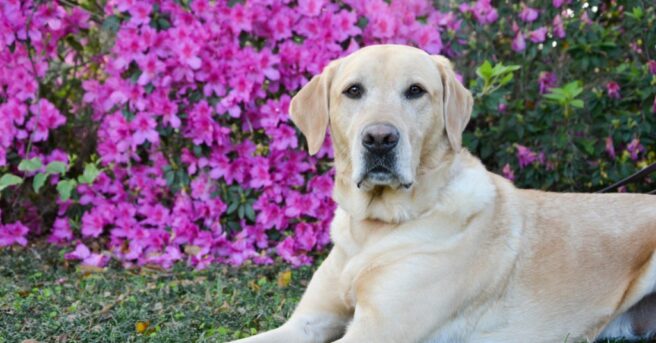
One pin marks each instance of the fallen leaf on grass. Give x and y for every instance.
(253, 286)
(284, 278)
(225, 307)
(141, 327)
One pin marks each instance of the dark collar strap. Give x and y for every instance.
(637, 176)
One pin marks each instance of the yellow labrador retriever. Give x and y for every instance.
(431, 247)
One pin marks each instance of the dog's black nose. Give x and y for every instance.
(380, 138)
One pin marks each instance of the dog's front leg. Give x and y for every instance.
(407, 302)
(321, 316)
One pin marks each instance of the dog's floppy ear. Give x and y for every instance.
(457, 102)
(310, 108)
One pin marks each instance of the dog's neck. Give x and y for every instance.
(460, 186)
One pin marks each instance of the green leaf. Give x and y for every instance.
(240, 212)
(250, 214)
(30, 165)
(485, 71)
(65, 187)
(554, 96)
(74, 44)
(56, 167)
(232, 207)
(578, 103)
(163, 23)
(362, 22)
(636, 13)
(112, 24)
(588, 145)
(169, 176)
(559, 91)
(573, 89)
(506, 79)
(90, 174)
(39, 180)
(9, 180)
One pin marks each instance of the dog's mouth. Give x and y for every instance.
(381, 175)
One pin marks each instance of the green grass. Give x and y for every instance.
(44, 299)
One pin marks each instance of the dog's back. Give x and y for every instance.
(580, 250)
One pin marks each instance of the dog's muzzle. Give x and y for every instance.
(380, 141)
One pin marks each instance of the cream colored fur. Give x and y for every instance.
(462, 255)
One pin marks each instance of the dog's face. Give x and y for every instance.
(392, 110)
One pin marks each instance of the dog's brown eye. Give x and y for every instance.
(354, 91)
(414, 92)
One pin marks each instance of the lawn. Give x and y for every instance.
(45, 300)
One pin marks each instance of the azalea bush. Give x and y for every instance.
(152, 132)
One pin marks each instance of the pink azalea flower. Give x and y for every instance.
(270, 214)
(558, 27)
(140, 13)
(429, 39)
(525, 156)
(310, 8)
(150, 66)
(144, 127)
(14, 233)
(321, 186)
(259, 173)
(651, 66)
(508, 172)
(483, 11)
(281, 24)
(528, 14)
(188, 54)
(538, 35)
(613, 90)
(518, 43)
(14, 111)
(635, 148)
(94, 221)
(585, 18)
(298, 204)
(383, 25)
(200, 188)
(241, 19)
(559, 3)
(283, 137)
(287, 251)
(45, 117)
(201, 125)
(610, 148)
(81, 252)
(78, 18)
(305, 236)
(61, 232)
(88, 258)
(546, 81)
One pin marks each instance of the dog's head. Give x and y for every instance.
(393, 110)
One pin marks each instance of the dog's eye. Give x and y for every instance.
(414, 92)
(354, 91)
